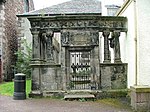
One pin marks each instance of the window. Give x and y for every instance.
(26, 6)
(112, 9)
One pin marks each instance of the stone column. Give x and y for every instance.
(36, 60)
(106, 47)
(117, 56)
(35, 45)
(43, 46)
(50, 57)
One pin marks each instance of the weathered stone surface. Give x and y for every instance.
(80, 22)
(51, 79)
(140, 98)
(79, 34)
(79, 38)
(78, 96)
(113, 76)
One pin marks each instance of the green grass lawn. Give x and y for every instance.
(7, 88)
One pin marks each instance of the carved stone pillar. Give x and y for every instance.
(106, 47)
(50, 57)
(43, 46)
(117, 56)
(65, 38)
(36, 60)
(35, 45)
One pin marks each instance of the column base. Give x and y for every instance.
(117, 61)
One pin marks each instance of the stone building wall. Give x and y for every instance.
(1, 34)
(129, 42)
(10, 38)
(143, 40)
(137, 41)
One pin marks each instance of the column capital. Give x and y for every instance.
(106, 33)
(116, 33)
(34, 31)
(49, 33)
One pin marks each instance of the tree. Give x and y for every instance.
(24, 58)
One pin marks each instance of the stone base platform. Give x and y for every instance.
(95, 94)
(79, 96)
(140, 98)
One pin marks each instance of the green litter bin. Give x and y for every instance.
(19, 86)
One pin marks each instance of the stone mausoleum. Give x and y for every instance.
(71, 48)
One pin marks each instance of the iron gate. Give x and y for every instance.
(80, 70)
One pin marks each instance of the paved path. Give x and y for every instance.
(7, 104)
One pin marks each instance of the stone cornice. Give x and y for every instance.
(79, 22)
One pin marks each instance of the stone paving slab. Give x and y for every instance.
(7, 104)
(74, 96)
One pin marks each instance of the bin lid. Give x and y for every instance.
(19, 74)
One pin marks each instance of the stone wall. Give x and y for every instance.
(113, 76)
(1, 34)
(143, 20)
(140, 98)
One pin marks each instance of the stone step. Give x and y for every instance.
(79, 96)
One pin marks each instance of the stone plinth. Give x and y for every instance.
(140, 98)
(45, 77)
(113, 76)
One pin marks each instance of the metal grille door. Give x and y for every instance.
(80, 70)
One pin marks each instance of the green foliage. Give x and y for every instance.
(82, 99)
(23, 59)
(71, 84)
(8, 88)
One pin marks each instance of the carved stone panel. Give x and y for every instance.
(79, 38)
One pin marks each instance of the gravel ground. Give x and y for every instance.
(7, 104)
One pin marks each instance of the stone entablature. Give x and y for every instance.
(79, 22)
